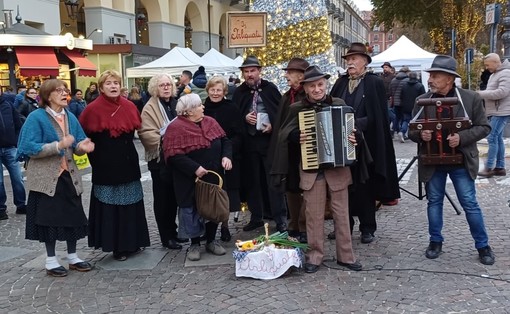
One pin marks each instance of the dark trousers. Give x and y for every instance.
(257, 172)
(165, 206)
(362, 204)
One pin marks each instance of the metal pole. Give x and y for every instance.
(209, 21)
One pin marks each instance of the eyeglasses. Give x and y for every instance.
(165, 85)
(61, 90)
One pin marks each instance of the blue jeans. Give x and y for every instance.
(8, 159)
(466, 193)
(496, 154)
(406, 117)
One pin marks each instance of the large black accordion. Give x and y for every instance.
(327, 144)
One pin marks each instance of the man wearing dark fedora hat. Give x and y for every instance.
(316, 183)
(294, 73)
(377, 180)
(387, 75)
(442, 84)
(258, 101)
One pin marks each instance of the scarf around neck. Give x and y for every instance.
(117, 116)
(355, 80)
(183, 136)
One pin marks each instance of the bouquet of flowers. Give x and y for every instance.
(268, 256)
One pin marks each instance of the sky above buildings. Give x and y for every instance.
(363, 5)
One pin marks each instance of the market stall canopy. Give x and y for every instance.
(179, 59)
(83, 65)
(173, 63)
(215, 59)
(35, 61)
(403, 52)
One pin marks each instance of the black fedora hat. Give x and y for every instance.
(386, 64)
(358, 49)
(314, 73)
(443, 63)
(250, 61)
(297, 64)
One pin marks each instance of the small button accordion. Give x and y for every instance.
(327, 144)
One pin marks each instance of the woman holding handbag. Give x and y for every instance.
(192, 145)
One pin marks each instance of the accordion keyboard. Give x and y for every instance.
(309, 155)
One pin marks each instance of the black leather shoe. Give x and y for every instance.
(172, 245)
(433, 250)
(332, 235)
(3, 216)
(252, 225)
(356, 266)
(225, 234)
(57, 272)
(22, 210)
(486, 255)
(367, 237)
(303, 238)
(311, 268)
(281, 227)
(81, 266)
(181, 240)
(120, 256)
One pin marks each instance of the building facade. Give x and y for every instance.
(379, 38)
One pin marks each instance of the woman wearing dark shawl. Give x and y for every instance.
(192, 145)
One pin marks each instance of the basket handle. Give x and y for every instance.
(220, 179)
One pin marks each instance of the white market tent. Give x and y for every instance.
(179, 59)
(215, 59)
(403, 53)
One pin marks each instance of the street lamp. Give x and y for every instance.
(72, 8)
(96, 30)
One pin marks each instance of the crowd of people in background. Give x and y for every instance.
(248, 133)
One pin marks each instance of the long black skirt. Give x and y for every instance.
(59, 217)
(117, 228)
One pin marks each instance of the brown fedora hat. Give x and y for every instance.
(358, 49)
(250, 61)
(314, 73)
(297, 64)
(443, 63)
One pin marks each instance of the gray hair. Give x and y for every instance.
(187, 103)
(492, 57)
(152, 87)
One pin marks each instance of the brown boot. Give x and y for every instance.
(486, 172)
(500, 172)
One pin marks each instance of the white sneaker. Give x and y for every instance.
(401, 137)
(215, 248)
(194, 252)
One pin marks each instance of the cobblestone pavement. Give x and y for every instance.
(397, 278)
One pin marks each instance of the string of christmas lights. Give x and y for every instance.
(296, 28)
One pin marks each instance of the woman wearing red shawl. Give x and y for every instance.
(192, 145)
(117, 215)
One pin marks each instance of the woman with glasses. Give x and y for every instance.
(47, 142)
(156, 115)
(229, 118)
(29, 103)
(117, 215)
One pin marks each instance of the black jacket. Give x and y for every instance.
(10, 123)
(243, 97)
(410, 90)
(372, 119)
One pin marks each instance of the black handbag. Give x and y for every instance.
(211, 200)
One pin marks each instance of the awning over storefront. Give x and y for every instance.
(35, 61)
(85, 67)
